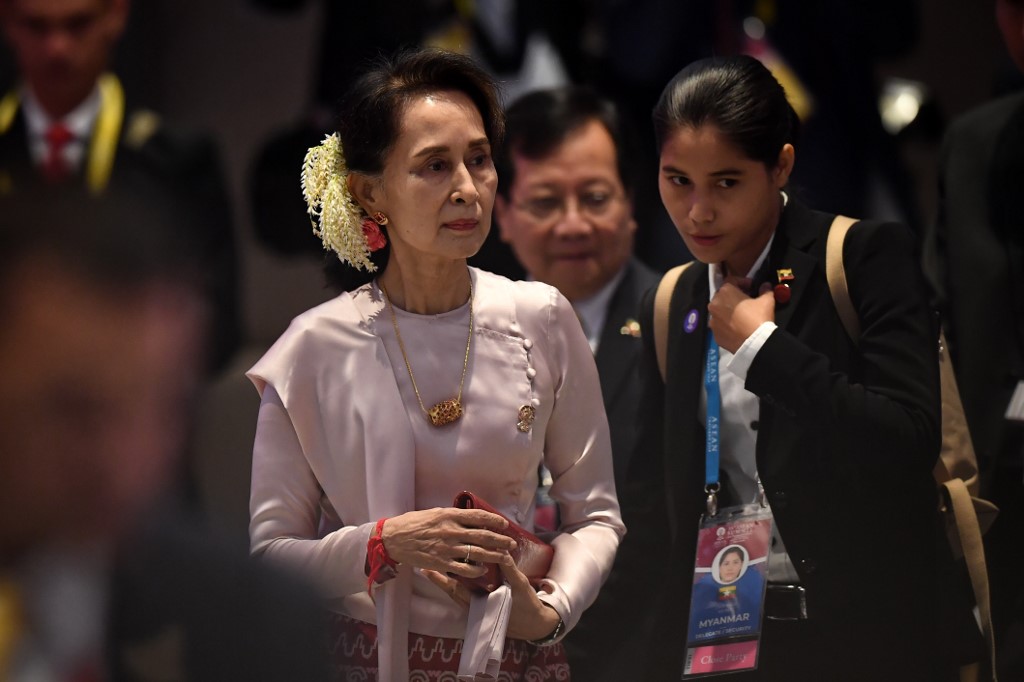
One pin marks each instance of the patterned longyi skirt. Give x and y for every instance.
(436, 659)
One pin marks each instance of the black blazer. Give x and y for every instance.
(847, 439)
(594, 641)
(618, 362)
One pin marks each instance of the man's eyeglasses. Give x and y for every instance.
(553, 207)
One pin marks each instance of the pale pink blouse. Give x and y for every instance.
(341, 441)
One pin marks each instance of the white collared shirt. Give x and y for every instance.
(740, 407)
(741, 410)
(593, 312)
(79, 121)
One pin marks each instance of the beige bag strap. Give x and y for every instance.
(969, 532)
(835, 272)
(958, 456)
(662, 299)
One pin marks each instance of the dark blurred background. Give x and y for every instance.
(248, 71)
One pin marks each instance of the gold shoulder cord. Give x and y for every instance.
(8, 109)
(108, 129)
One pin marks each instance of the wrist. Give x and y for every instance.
(555, 632)
(379, 566)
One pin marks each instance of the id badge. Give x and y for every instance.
(727, 601)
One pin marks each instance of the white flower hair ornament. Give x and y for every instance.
(339, 221)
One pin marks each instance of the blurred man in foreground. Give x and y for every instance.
(100, 350)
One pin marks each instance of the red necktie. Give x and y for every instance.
(55, 167)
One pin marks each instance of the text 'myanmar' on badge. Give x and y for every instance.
(729, 579)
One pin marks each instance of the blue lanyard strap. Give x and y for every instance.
(714, 413)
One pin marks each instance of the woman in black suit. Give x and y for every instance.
(838, 437)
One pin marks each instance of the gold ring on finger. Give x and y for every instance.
(469, 550)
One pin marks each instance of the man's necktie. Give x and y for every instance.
(55, 167)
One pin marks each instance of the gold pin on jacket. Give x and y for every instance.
(630, 328)
(782, 291)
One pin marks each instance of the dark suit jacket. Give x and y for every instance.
(182, 172)
(185, 608)
(975, 261)
(618, 362)
(842, 428)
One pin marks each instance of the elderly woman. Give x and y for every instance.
(425, 379)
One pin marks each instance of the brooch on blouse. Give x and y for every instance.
(526, 415)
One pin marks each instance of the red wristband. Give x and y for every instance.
(379, 566)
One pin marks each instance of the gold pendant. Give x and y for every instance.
(445, 412)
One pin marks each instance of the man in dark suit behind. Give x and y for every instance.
(974, 257)
(564, 205)
(67, 124)
(100, 350)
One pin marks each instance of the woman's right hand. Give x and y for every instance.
(444, 538)
(734, 316)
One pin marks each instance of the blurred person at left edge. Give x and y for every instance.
(101, 351)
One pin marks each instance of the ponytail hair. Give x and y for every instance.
(737, 95)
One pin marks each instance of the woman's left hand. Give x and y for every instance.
(531, 619)
(459, 593)
(734, 316)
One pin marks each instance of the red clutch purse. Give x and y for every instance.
(532, 555)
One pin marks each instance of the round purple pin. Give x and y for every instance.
(691, 321)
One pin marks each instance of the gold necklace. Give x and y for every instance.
(446, 411)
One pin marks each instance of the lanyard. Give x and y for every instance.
(713, 425)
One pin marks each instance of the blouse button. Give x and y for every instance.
(531, 373)
(527, 344)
